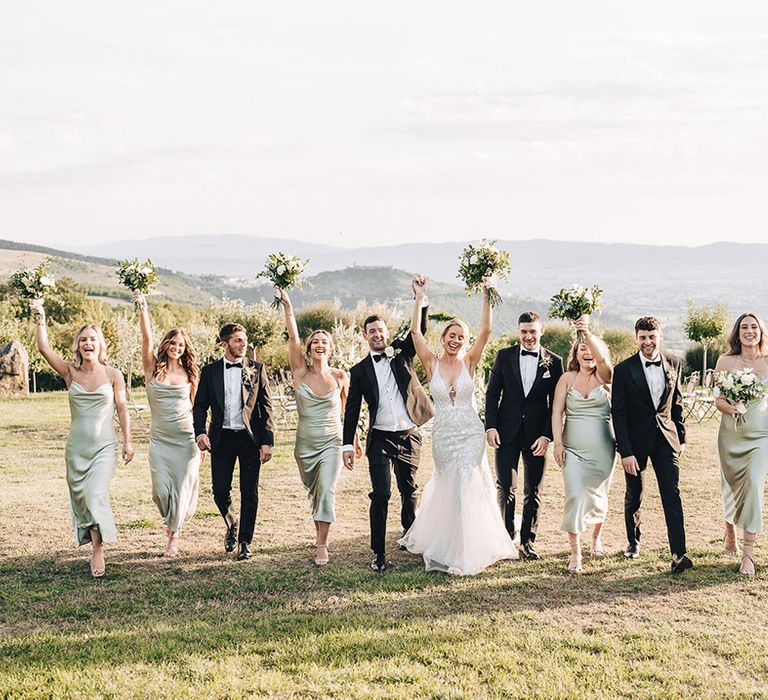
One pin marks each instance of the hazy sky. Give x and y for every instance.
(353, 122)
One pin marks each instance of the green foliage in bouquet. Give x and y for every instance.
(481, 267)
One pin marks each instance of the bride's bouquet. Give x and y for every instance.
(284, 272)
(481, 267)
(739, 388)
(571, 303)
(136, 276)
(33, 282)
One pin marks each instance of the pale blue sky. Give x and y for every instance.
(351, 123)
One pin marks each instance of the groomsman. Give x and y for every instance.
(236, 391)
(649, 424)
(398, 406)
(518, 421)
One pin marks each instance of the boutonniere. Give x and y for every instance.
(391, 353)
(248, 375)
(545, 360)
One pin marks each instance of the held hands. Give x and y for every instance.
(492, 438)
(559, 452)
(127, 452)
(539, 448)
(630, 465)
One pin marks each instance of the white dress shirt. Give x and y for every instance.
(233, 397)
(391, 413)
(655, 377)
(529, 366)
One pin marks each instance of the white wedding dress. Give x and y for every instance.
(458, 527)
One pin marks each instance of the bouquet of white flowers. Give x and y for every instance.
(283, 272)
(136, 276)
(33, 282)
(739, 388)
(574, 302)
(481, 267)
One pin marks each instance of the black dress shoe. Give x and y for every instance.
(244, 553)
(230, 539)
(402, 547)
(681, 563)
(529, 552)
(379, 563)
(632, 551)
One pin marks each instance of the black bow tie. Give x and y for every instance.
(648, 363)
(227, 365)
(378, 358)
(528, 352)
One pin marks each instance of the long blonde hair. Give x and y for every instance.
(77, 358)
(308, 344)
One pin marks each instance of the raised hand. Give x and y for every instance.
(582, 324)
(139, 300)
(419, 286)
(36, 307)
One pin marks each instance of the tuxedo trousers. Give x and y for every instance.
(507, 464)
(232, 446)
(387, 452)
(666, 465)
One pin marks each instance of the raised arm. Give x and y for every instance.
(295, 356)
(598, 350)
(426, 356)
(123, 415)
(57, 363)
(558, 414)
(486, 327)
(148, 358)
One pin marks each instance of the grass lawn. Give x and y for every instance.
(204, 625)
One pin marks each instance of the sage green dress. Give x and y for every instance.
(590, 453)
(91, 457)
(174, 460)
(743, 453)
(318, 449)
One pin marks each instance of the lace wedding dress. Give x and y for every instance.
(458, 527)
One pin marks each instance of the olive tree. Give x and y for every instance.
(704, 324)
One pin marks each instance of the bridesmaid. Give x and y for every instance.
(321, 394)
(585, 448)
(174, 460)
(95, 391)
(743, 451)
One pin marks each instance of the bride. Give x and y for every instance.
(458, 527)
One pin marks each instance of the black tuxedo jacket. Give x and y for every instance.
(257, 403)
(506, 405)
(635, 418)
(363, 384)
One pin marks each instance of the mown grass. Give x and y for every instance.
(204, 625)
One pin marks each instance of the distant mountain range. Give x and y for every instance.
(637, 279)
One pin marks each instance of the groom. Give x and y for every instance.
(649, 424)
(518, 421)
(236, 391)
(398, 406)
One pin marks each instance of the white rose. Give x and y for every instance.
(389, 352)
(727, 383)
(747, 379)
(46, 281)
(146, 270)
(281, 270)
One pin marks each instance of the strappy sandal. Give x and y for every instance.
(747, 549)
(730, 547)
(322, 560)
(98, 572)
